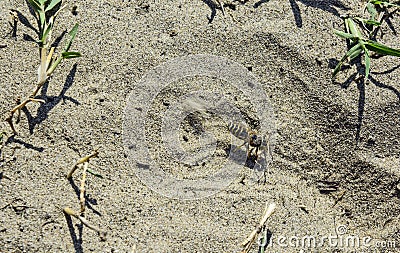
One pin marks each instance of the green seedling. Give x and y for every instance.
(378, 11)
(361, 45)
(46, 12)
(262, 243)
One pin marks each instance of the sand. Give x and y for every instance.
(322, 131)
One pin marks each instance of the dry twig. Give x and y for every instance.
(82, 188)
(268, 211)
(82, 160)
(85, 222)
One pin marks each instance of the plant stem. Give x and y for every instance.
(85, 222)
(82, 160)
(82, 188)
(22, 105)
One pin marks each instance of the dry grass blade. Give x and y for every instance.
(268, 211)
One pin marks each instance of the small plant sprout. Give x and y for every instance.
(83, 164)
(46, 12)
(364, 44)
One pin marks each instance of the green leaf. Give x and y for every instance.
(355, 54)
(35, 5)
(43, 2)
(384, 3)
(39, 8)
(46, 33)
(368, 21)
(353, 27)
(350, 52)
(94, 173)
(69, 55)
(371, 9)
(52, 4)
(381, 49)
(72, 35)
(344, 34)
(42, 19)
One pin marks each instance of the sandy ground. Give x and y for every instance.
(287, 46)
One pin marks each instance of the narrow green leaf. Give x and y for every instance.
(42, 18)
(381, 49)
(94, 173)
(46, 33)
(35, 5)
(54, 66)
(353, 27)
(371, 9)
(43, 2)
(339, 65)
(72, 35)
(368, 21)
(372, 22)
(355, 54)
(344, 34)
(69, 55)
(51, 5)
(390, 4)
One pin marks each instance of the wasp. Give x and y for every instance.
(253, 140)
(250, 137)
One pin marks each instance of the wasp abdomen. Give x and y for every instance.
(238, 130)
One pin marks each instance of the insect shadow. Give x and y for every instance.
(239, 156)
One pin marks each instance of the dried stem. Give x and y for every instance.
(268, 211)
(82, 188)
(85, 222)
(82, 160)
